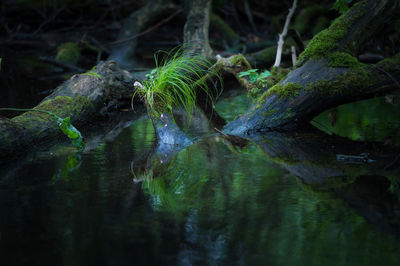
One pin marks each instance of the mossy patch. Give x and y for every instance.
(283, 91)
(351, 82)
(239, 60)
(62, 106)
(68, 53)
(341, 59)
(328, 40)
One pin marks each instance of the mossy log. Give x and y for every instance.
(82, 97)
(327, 74)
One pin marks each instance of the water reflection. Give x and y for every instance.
(271, 200)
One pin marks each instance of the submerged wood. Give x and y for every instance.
(83, 97)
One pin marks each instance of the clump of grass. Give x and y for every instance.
(176, 81)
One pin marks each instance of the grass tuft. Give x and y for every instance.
(176, 81)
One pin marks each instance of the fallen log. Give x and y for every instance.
(82, 98)
(328, 74)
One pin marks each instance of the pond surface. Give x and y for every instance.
(212, 203)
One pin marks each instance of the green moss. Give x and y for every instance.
(68, 53)
(351, 82)
(341, 59)
(239, 60)
(62, 106)
(288, 90)
(328, 40)
(92, 73)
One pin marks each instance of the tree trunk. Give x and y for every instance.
(196, 27)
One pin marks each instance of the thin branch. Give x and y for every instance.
(283, 35)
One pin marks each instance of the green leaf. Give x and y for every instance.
(248, 72)
(264, 74)
(253, 77)
(243, 74)
(72, 133)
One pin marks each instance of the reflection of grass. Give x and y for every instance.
(195, 179)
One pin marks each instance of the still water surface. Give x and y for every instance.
(210, 204)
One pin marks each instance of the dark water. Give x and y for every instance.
(212, 203)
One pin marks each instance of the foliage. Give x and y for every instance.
(176, 80)
(63, 123)
(254, 76)
(258, 79)
(342, 5)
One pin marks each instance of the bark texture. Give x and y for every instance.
(197, 27)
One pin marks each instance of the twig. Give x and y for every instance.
(283, 35)
(219, 131)
(148, 30)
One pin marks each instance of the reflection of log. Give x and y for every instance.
(312, 157)
(328, 74)
(82, 97)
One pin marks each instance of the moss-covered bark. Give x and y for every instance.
(81, 98)
(327, 75)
